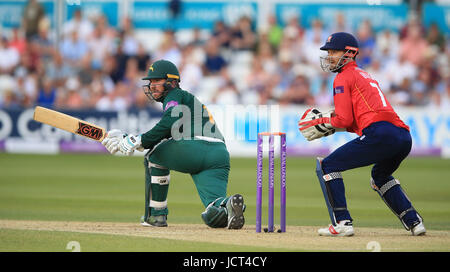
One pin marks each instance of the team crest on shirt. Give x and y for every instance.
(338, 90)
(171, 103)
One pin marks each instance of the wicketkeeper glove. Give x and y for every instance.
(314, 124)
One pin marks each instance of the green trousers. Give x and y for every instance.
(207, 162)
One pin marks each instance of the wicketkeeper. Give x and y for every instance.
(384, 140)
(186, 139)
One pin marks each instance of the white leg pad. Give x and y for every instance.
(161, 180)
(158, 204)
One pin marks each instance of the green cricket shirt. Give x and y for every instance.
(184, 118)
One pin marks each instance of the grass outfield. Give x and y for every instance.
(100, 189)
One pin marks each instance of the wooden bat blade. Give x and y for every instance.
(68, 123)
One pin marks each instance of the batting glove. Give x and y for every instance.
(129, 144)
(112, 140)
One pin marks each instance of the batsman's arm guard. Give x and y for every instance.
(382, 191)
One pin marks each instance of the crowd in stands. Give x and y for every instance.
(92, 65)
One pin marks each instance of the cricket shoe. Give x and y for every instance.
(343, 228)
(235, 209)
(418, 229)
(154, 221)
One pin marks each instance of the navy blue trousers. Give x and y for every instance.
(383, 145)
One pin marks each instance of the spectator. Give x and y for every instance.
(435, 102)
(33, 13)
(258, 82)
(227, 94)
(401, 94)
(100, 44)
(265, 54)
(191, 69)
(7, 86)
(376, 71)
(398, 70)
(323, 99)
(340, 24)
(9, 57)
(115, 100)
(85, 74)
(413, 46)
(57, 70)
(435, 37)
(102, 24)
(386, 45)
(17, 41)
(197, 37)
(129, 42)
(169, 48)
(242, 35)
(367, 42)
(73, 50)
(293, 28)
(313, 41)
(96, 89)
(10, 100)
(413, 22)
(47, 93)
(73, 98)
(143, 58)
(214, 62)
(112, 68)
(222, 34)
(126, 89)
(284, 74)
(42, 42)
(79, 24)
(275, 32)
(315, 33)
(25, 88)
(293, 43)
(297, 92)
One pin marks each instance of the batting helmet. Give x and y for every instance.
(162, 69)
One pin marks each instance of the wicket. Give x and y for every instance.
(270, 227)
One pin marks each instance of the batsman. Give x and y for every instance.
(384, 140)
(187, 140)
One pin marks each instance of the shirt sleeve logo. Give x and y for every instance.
(171, 103)
(338, 90)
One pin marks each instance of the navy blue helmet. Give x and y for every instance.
(341, 41)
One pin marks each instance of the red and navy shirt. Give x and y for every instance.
(359, 101)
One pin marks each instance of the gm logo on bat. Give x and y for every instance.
(89, 131)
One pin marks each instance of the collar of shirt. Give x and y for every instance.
(349, 65)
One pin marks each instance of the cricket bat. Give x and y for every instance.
(69, 123)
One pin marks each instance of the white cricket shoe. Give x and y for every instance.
(343, 228)
(418, 229)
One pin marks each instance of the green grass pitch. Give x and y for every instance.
(104, 188)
